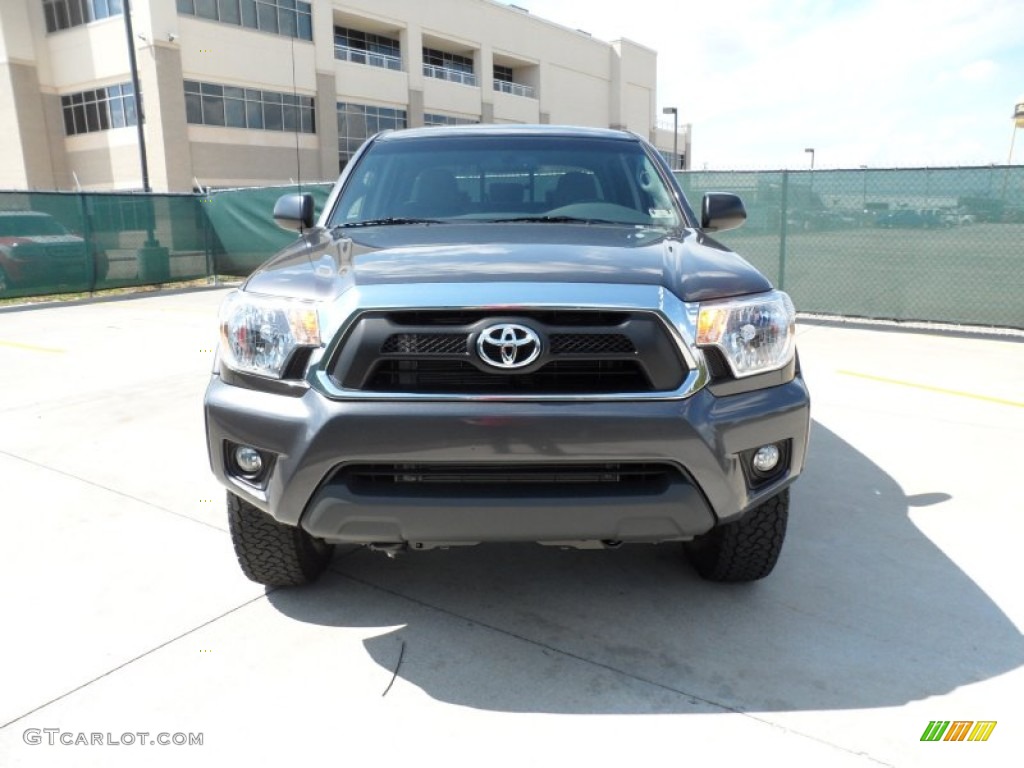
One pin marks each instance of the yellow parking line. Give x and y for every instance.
(31, 347)
(940, 390)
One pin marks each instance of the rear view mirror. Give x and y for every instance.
(720, 211)
(294, 212)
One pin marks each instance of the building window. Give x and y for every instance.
(291, 18)
(366, 48)
(99, 110)
(358, 122)
(64, 14)
(448, 66)
(504, 74)
(433, 119)
(233, 107)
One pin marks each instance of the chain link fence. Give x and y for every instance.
(55, 242)
(937, 244)
(64, 242)
(930, 244)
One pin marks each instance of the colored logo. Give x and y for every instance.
(508, 346)
(958, 730)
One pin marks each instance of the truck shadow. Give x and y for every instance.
(862, 611)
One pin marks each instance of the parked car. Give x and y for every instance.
(37, 251)
(507, 333)
(820, 220)
(907, 219)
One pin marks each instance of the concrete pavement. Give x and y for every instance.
(897, 600)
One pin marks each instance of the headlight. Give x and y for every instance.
(259, 334)
(755, 334)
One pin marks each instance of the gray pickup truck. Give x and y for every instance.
(507, 333)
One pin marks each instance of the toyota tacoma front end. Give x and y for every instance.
(507, 333)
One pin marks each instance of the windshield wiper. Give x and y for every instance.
(558, 220)
(386, 222)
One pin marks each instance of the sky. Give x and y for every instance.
(881, 83)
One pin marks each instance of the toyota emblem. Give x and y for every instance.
(508, 346)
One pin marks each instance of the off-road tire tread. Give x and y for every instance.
(273, 553)
(745, 550)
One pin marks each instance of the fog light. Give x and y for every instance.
(248, 460)
(766, 458)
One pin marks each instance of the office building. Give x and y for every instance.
(252, 92)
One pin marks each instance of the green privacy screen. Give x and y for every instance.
(936, 244)
(245, 231)
(59, 242)
(53, 242)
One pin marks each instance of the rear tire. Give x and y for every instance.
(745, 550)
(273, 553)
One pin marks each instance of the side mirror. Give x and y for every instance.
(294, 212)
(720, 211)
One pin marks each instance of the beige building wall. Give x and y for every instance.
(90, 55)
(326, 125)
(167, 146)
(561, 76)
(372, 85)
(636, 69)
(24, 148)
(25, 156)
(105, 160)
(515, 109)
(232, 55)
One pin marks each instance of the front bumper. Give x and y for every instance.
(312, 439)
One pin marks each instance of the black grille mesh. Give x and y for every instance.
(456, 344)
(591, 344)
(425, 344)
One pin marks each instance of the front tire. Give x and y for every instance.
(745, 550)
(272, 553)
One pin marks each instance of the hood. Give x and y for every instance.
(13, 240)
(689, 264)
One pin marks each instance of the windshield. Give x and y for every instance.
(506, 178)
